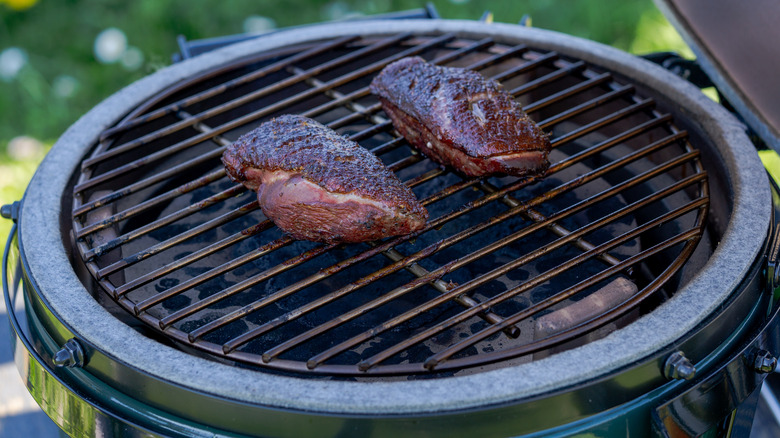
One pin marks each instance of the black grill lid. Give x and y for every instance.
(736, 45)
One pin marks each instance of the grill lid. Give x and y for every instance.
(736, 44)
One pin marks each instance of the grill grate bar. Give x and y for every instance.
(180, 104)
(604, 145)
(548, 78)
(175, 240)
(139, 185)
(225, 267)
(535, 215)
(242, 120)
(211, 200)
(466, 287)
(558, 229)
(144, 183)
(431, 250)
(150, 203)
(585, 106)
(443, 287)
(528, 66)
(193, 257)
(689, 235)
(568, 92)
(146, 205)
(137, 257)
(292, 342)
(517, 50)
(246, 98)
(477, 45)
(604, 121)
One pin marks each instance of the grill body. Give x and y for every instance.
(723, 303)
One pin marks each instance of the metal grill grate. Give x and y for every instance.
(505, 269)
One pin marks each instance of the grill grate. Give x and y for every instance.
(505, 269)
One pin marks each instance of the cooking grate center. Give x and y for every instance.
(506, 270)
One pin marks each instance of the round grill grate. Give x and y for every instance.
(507, 270)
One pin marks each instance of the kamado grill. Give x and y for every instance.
(626, 291)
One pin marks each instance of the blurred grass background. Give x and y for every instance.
(59, 58)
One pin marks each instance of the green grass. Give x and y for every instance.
(58, 37)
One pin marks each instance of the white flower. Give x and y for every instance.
(12, 60)
(110, 45)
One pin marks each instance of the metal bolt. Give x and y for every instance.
(5, 211)
(677, 367)
(764, 362)
(71, 355)
(10, 211)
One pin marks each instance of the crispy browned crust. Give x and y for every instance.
(298, 144)
(292, 148)
(459, 109)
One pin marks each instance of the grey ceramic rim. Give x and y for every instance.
(739, 247)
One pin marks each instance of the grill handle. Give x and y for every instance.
(57, 398)
(58, 393)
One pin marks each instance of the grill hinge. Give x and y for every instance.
(773, 255)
